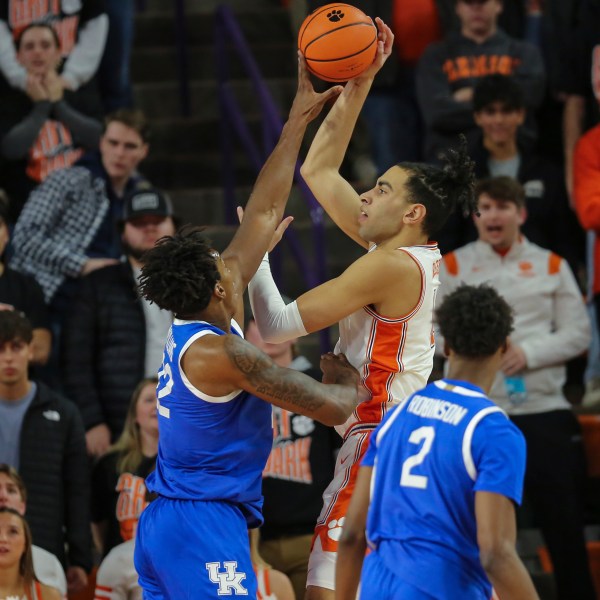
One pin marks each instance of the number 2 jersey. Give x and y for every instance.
(209, 448)
(429, 457)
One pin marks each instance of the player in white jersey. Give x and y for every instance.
(442, 473)
(383, 301)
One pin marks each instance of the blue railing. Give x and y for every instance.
(229, 35)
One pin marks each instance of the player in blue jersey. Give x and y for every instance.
(215, 437)
(443, 472)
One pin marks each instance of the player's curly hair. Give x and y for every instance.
(475, 320)
(443, 189)
(180, 273)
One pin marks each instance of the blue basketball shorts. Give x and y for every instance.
(377, 581)
(193, 550)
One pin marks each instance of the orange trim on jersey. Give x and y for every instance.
(451, 263)
(554, 262)
(419, 302)
(384, 353)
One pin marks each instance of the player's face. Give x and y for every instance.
(499, 123)
(383, 207)
(122, 149)
(14, 361)
(145, 410)
(12, 540)
(10, 496)
(38, 51)
(142, 233)
(499, 222)
(478, 17)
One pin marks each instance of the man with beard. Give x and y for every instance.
(113, 337)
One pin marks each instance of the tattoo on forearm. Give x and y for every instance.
(268, 379)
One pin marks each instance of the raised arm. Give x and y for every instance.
(324, 159)
(218, 365)
(264, 209)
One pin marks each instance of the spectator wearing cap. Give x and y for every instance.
(113, 338)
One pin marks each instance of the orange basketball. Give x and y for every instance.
(338, 42)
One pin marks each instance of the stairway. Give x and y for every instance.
(185, 156)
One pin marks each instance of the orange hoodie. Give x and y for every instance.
(586, 180)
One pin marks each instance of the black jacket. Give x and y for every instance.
(55, 468)
(550, 222)
(103, 346)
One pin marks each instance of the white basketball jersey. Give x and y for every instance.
(393, 356)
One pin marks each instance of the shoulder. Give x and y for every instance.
(435, 51)
(56, 401)
(454, 262)
(588, 142)
(111, 274)
(72, 176)
(107, 462)
(49, 593)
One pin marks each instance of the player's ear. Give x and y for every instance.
(415, 214)
(219, 290)
(446, 349)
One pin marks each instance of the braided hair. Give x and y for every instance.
(443, 189)
(180, 272)
(475, 320)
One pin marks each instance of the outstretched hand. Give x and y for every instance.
(308, 103)
(385, 45)
(279, 230)
(337, 369)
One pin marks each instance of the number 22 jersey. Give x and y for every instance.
(429, 457)
(209, 448)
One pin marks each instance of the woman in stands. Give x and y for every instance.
(17, 579)
(118, 488)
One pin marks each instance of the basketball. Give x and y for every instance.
(338, 42)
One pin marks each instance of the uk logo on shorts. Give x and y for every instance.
(229, 581)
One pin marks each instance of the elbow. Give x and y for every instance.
(307, 170)
(494, 557)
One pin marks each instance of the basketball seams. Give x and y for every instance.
(331, 31)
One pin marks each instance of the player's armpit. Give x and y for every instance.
(255, 372)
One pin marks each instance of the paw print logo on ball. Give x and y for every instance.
(335, 15)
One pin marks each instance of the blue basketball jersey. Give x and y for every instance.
(209, 448)
(429, 457)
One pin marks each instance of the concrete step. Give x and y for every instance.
(177, 171)
(162, 99)
(160, 29)
(177, 135)
(274, 59)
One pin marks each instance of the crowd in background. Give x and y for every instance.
(520, 79)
